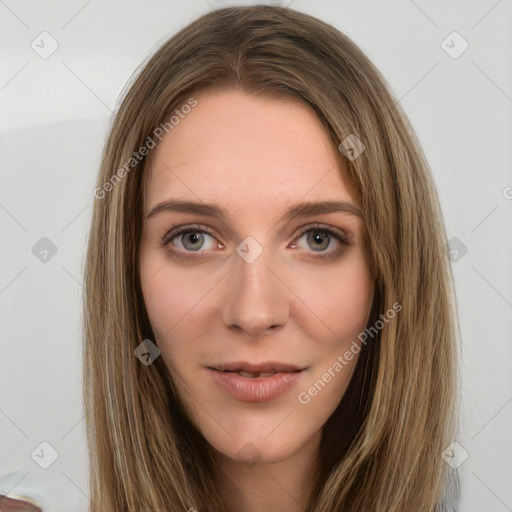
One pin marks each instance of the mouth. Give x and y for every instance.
(255, 375)
(252, 371)
(256, 383)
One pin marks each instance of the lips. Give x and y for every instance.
(269, 367)
(262, 383)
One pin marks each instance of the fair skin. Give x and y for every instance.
(254, 157)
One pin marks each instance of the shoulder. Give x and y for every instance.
(451, 497)
(11, 505)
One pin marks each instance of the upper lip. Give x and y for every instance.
(269, 366)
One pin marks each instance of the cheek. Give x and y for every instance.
(166, 297)
(338, 302)
(169, 295)
(178, 306)
(351, 303)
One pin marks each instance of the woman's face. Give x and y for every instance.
(249, 288)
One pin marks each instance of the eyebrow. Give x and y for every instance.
(304, 209)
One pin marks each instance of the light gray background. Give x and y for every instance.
(55, 117)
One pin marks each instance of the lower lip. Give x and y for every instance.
(258, 389)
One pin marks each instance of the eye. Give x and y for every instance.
(190, 238)
(320, 237)
(193, 238)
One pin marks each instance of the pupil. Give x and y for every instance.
(194, 237)
(319, 237)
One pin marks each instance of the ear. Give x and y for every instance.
(11, 505)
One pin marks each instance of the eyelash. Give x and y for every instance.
(197, 228)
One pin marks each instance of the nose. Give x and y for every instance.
(257, 299)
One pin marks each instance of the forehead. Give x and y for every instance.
(247, 151)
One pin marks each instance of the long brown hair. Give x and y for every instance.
(381, 448)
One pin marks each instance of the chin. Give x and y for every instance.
(259, 446)
(253, 451)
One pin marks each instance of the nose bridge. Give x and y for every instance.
(257, 299)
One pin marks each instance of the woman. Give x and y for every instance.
(269, 312)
